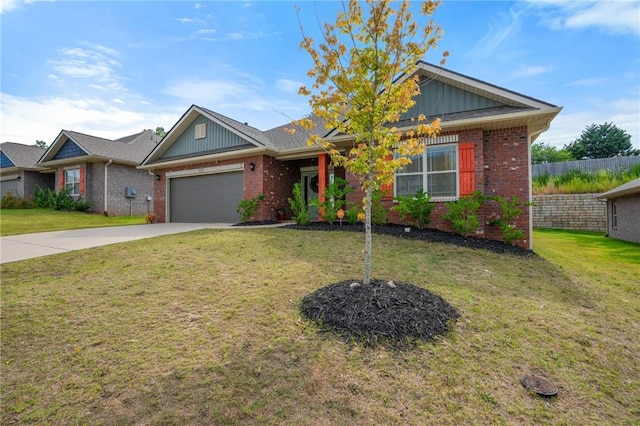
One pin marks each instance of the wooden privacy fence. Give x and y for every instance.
(614, 163)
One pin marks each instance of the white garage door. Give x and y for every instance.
(205, 198)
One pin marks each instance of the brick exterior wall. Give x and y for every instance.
(119, 177)
(582, 212)
(628, 218)
(501, 164)
(272, 178)
(32, 180)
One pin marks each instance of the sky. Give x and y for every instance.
(114, 68)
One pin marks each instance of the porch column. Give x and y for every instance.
(323, 180)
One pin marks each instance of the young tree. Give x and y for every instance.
(602, 141)
(364, 80)
(545, 153)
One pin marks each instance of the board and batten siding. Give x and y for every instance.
(437, 98)
(217, 139)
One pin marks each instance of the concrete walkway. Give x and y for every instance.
(28, 246)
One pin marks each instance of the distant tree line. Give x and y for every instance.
(596, 141)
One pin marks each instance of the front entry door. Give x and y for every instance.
(310, 191)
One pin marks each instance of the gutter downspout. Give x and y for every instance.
(529, 143)
(106, 180)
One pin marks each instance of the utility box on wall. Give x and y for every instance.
(130, 191)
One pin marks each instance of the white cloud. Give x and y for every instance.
(589, 82)
(8, 5)
(530, 71)
(498, 32)
(614, 17)
(95, 63)
(288, 86)
(569, 124)
(27, 120)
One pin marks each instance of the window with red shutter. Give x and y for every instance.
(466, 169)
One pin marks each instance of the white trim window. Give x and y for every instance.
(435, 172)
(72, 181)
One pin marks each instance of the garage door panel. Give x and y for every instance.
(205, 198)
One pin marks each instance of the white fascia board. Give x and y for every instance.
(204, 158)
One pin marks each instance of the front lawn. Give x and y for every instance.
(27, 221)
(204, 328)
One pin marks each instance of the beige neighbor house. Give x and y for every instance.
(623, 211)
(19, 173)
(207, 162)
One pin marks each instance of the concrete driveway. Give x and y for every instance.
(27, 246)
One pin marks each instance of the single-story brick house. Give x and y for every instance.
(19, 174)
(103, 171)
(623, 211)
(207, 162)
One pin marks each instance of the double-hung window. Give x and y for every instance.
(435, 172)
(72, 181)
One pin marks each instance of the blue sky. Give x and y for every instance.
(114, 68)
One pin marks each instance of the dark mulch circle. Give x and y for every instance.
(394, 313)
(432, 235)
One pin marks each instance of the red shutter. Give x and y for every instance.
(387, 188)
(81, 181)
(467, 169)
(61, 180)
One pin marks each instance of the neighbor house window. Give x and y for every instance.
(614, 215)
(72, 181)
(435, 172)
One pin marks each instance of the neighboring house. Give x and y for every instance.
(19, 174)
(207, 162)
(623, 211)
(103, 171)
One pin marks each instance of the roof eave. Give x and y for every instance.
(205, 158)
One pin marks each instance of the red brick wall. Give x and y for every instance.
(270, 177)
(501, 168)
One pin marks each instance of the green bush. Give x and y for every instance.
(379, 213)
(463, 213)
(418, 207)
(60, 200)
(12, 201)
(334, 195)
(301, 214)
(247, 207)
(511, 209)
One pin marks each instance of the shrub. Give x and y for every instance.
(301, 214)
(418, 207)
(510, 211)
(379, 213)
(12, 201)
(60, 200)
(463, 213)
(334, 195)
(247, 207)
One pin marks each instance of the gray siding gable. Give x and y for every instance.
(438, 98)
(217, 139)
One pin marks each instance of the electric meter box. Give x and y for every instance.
(130, 191)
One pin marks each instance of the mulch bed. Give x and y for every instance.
(427, 234)
(393, 313)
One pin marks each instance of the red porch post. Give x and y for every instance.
(323, 180)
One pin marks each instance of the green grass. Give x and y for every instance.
(204, 328)
(25, 221)
(577, 181)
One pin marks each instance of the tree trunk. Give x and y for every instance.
(367, 236)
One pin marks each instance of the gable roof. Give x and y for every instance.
(22, 156)
(128, 150)
(628, 188)
(499, 108)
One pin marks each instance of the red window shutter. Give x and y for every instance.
(81, 181)
(467, 169)
(387, 189)
(61, 183)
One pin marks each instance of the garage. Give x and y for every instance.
(208, 198)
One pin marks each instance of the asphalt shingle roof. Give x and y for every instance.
(22, 156)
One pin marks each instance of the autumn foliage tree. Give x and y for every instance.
(363, 81)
